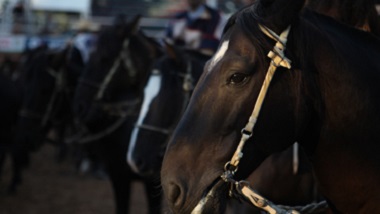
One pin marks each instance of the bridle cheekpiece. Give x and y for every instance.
(242, 188)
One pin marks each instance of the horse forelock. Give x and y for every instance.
(248, 20)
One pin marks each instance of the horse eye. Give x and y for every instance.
(237, 78)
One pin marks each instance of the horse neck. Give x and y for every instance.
(341, 79)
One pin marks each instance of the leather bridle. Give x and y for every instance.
(278, 59)
(59, 87)
(119, 109)
(187, 87)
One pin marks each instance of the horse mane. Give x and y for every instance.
(359, 13)
(248, 19)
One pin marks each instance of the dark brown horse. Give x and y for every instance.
(286, 178)
(324, 97)
(167, 94)
(107, 101)
(47, 83)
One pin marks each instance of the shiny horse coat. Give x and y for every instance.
(328, 102)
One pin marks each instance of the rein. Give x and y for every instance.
(60, 86)
(60, 83)
(121, 110)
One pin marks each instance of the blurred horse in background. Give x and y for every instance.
(167, 94)
(49, 83)
(11, 96)
(108, 99)
(12, 87)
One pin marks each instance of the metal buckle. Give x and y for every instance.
(247, 133)
(231, 168)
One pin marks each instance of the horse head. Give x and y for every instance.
(117, 70)
(166, 96)
(295, 76)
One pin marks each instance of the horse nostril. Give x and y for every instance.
(174, 193)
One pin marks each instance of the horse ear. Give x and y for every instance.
(133, 26)
(278, 14)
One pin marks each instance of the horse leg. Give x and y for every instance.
(113, 155)
(62, 146)
(16, 178)
(121, 185)
(154, 195)
(2, 157)
(20, 160)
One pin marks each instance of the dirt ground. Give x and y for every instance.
(57, 188)
(50, 187)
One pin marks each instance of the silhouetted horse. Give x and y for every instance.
(11, 97)
(12, 86)
(325, 96)
(108, 99)
(48, 90)
(167, 94)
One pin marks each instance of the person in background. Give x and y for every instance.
(198, 28)
(82, 44)
(85, 38)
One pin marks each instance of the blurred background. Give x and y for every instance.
(23, 19)
(24, 23)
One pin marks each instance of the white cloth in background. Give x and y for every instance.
(85, 42)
